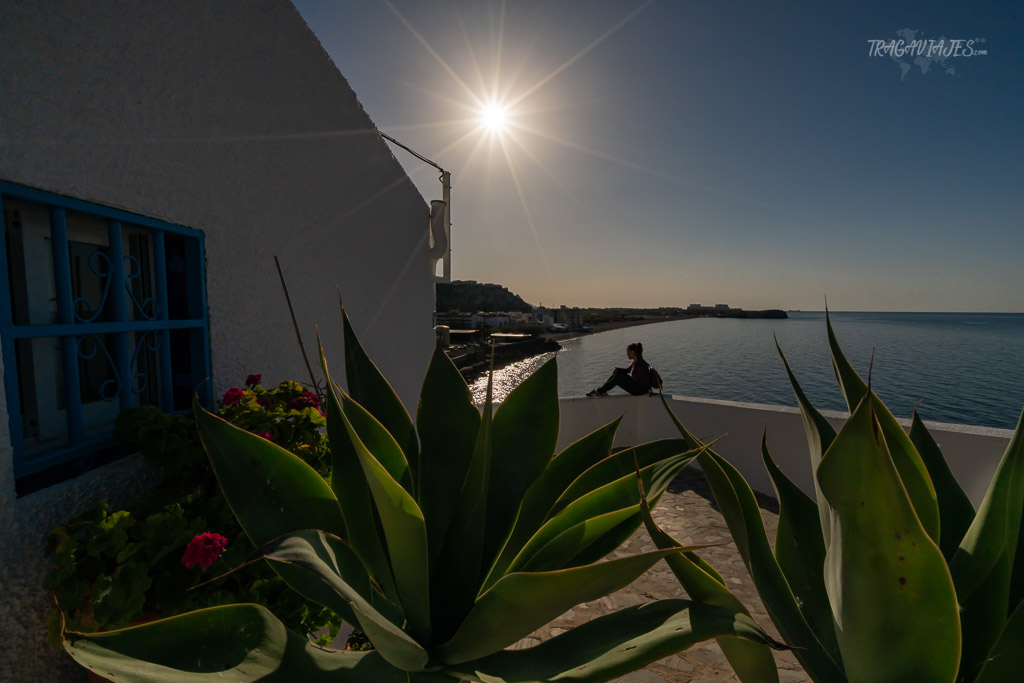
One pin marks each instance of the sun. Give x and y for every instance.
(494, 117)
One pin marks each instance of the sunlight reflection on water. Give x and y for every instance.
(964, 368)
(507, 378)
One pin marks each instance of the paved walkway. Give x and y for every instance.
(687, 512)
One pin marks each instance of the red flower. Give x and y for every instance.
(232, 396)
(203, 550)
(265, 435)
(307, 400)
(253, 380)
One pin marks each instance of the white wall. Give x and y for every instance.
(972, 453)
(230, 118)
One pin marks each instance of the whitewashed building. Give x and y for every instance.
(154, 158)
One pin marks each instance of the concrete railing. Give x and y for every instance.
(971, 452)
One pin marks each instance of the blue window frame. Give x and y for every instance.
(101, 310)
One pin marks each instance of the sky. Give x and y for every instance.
(669, 152)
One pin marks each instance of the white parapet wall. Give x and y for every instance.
(972, 453)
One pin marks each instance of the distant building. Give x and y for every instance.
(722, 307)
(455, 320)
(694, 307)
(482, 320)
(570, 317)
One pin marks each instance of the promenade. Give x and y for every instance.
(687, 512)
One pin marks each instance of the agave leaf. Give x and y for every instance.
(613, 645)
(1003, 662)
(520, 603)
(366, 536)
(406, 536)
(456, 582)
(368, 387)
(237, 642)
(905, 457)
(982, 566)
(270, 490)
(541, 496)
(752, 661)
(886, 578)
(610, 541)
(378, 441)
(955, 509)
(800, 551)
(619, 465)
(819, 437)
(742, 515)
(850, 383)
(525, 434)
(617, 495)
(560, 551)
(339, 577)
(448, 424)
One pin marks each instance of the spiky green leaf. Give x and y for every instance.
(800, 551)
(456, 582)
(525, 435)
(739, 508)
(340, 580)
(405, 533)
(564, 468)
(448, 423)
(613, 645)
(232, 642)
(905, 457)
(619, 465)
(955, 509)
(886, 578)
(819, 437)
(752, 661)
(982, 566)
(371, 390)
(270, 490)
(521, 602)
(616, 495)
(353, 492)
(1002, 665)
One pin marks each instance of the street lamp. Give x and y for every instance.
(440, 213)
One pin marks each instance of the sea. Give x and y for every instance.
(963, 368)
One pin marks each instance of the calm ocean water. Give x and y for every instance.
(965, 368)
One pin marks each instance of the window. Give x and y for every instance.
(101, 311)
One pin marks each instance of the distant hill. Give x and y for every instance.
(470, 297)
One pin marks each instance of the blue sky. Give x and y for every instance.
(664, 153)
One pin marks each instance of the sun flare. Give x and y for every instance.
(494, 117)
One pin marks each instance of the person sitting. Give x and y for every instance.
(636, 379)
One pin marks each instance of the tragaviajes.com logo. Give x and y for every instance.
(911, 48)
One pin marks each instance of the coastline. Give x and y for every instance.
(614, 325)
(473, 372)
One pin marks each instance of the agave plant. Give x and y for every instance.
(890, 575)
(445, 541)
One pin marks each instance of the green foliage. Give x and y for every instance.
(899, 580)
(110, 568)
(444, 543)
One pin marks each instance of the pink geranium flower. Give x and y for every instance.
(253, 380)
(307, 400)
(203, 550)
(232, 396)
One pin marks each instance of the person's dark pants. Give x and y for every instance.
(623, 379)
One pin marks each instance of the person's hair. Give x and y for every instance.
(636, 348)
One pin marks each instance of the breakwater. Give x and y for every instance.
(474, 362)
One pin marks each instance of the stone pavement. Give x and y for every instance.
(687, 512)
